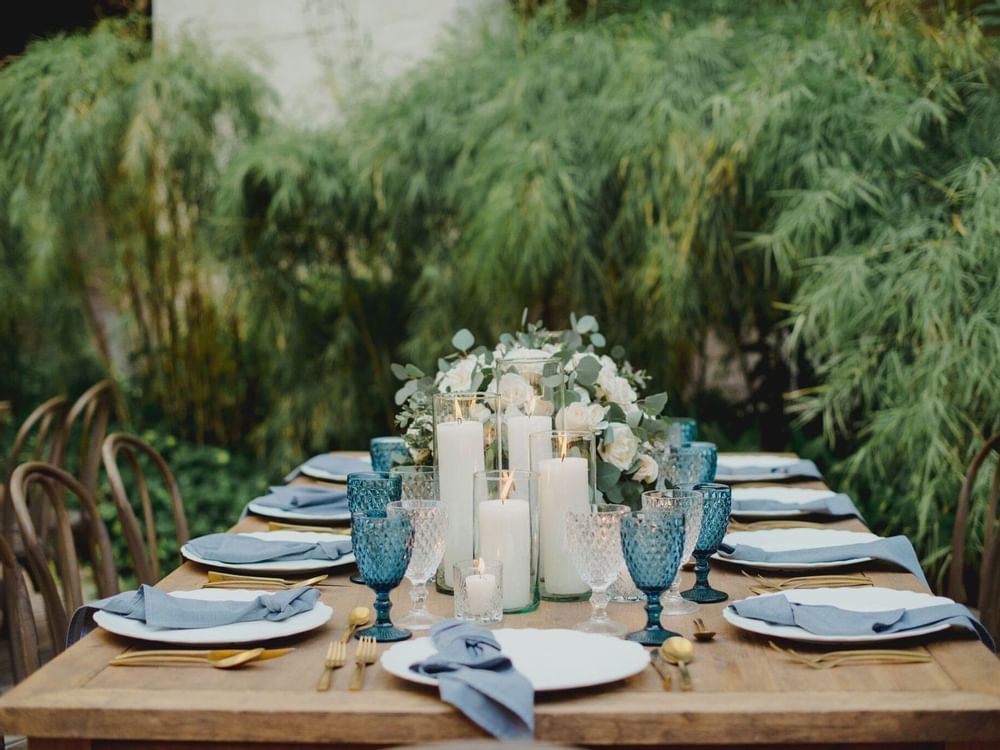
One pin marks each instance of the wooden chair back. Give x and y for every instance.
(989, 574)
(63, 598)
(92, 411)
(142, 548)
(19, 618)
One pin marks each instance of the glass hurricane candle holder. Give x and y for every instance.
(528, 389)
(506, 524)
(682, 430)
(685, 464)
(478, 591)
(566, 464)
(387, 452)
(466, 440)
(418, 482)
(370, 492)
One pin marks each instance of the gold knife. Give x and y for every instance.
(269, 653)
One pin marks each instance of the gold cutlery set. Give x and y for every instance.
(830, 659)
(365, 654)
(220, 659)
(763, 585)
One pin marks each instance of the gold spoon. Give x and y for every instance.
(701, 633)
(358, 616)
(215, 659)
(679, 652)
(231, 580)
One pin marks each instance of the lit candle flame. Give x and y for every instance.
(458, 410)
(531, 405)
(563, 446)
(479, 566)
(506, 483)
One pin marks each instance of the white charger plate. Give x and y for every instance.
(238, 632)
(753, 468)
(554, 659)
(869, 599)
(291, 515)
(790, 496)
(326, 476)
(775, 540)
(279, 566)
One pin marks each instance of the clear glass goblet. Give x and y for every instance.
(419, 482)
(595, 544)
(715, 518)
(383, 547)
(689, 503)
(652, 542)
(685, 464)
(430, 522)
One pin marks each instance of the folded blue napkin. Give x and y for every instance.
(305, 499)
(834, 505)
(823, 619)
(893, 549)
(475, 677)
(801, 468)
(160, 610)
(237, 549)
(340, 465)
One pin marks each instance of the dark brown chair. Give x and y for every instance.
(63, 598)
(93, 412)
(143, 553)
(18, 616)
(989, 572)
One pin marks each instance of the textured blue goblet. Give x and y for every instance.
(714, 520)
(683, 430)
(371, 492)
(689, 463)
(383, 546)
(652, 542)
(387, 452)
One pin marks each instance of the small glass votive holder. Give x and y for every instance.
(387, 452)
(478, 591)
(683, 430)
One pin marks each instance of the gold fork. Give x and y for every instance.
(832, 659)
(336, 657)
(762, 585)
(218, 580)
(757, 525)
(365, 654)
(278, 526)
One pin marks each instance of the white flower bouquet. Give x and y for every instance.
(600, 393)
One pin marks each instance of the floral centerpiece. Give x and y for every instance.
(601, 393)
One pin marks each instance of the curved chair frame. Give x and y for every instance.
(144, 557)
(57, 605)
(93, 410)
(18, 615)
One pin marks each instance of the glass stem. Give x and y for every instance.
(653, 610)
(418, 596)
(701, 569)
(675, 588)
(382, 607)
(599, 603)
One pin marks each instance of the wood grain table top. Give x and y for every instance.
(744, 694)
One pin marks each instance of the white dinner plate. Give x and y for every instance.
(279, 566)
(752, 468)
(292, 515)
(550, 659)
(238, 632)
(870, 599)
(326, 476)
(775, 540)
(789, 496)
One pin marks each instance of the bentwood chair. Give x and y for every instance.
(63, 598)
(89, 414)
(989, 572)
(143, 553)
(18, 616)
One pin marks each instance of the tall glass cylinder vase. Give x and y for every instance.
(528, 389)
(506, 525)
(466, 440)
(566, 464)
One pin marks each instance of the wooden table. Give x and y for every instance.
(745, 694)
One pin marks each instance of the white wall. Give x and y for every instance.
(316, 53)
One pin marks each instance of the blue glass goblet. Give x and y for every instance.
(683, 430)
(383, 545)
(714, 520)
(653, 542)
(685, 464)
(371, 492)
(387, 452)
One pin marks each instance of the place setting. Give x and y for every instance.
(768, 502)
(763, 467)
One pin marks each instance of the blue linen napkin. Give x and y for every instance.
(893, 549)
(238, 549)
(342, 465)
(305, 499)
(833, 505)
(801, 468)
(824, 619)
(475, 677)
(160, 610)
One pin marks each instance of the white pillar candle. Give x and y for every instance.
(563, 486)
(519, 430)
(505, 535)
(460, 455)
(479, 591)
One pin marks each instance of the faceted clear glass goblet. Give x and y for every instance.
(383, 547)
(418, 482)
(430, 522)
(688, 502)
(594, 538)
(652, 542)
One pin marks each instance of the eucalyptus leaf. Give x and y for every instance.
(615, 413)
(408, 389)
(443, 365)
(414, 372)
(654, 404)
(399, 371)
(618, 352)
(607, 475)
(587, 370)
(633, 418)
(463, 340)
(598, 340)
(586, 324)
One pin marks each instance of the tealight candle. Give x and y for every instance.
(478, 591)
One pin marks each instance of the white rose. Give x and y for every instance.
(583, 417)
(459, 377)
(551, 348)
(616, 388)
(515, 391)
(518, 353)
(648, 469)
(621, 449)
(584, 394)
(608, 365)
